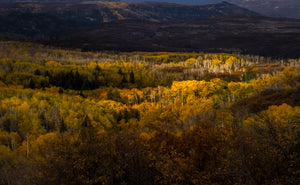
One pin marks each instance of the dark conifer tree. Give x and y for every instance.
(31, 84)
(62, 127)
(61, 90)
(132, 78)
(37, 72)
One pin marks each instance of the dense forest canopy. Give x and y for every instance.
(72, 117)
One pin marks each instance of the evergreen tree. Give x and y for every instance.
(87, 131)
(77, 81)
(86, 85)
(132, 78)
(47, 73)
(86, 122)
(109, 95)
(97, 68)
(120, 72)
(124, 80)
(126, 115)
(62, 127)
(31, 84)
(61, 90)
(37, 72)
(69, 81)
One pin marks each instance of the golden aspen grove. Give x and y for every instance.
(69, 117)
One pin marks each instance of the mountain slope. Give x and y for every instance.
(43, 20)
(150, 26)
(111, 11)
(275, 37)
(274, 8)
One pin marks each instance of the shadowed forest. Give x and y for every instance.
(72, 117)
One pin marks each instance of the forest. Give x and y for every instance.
(71, 117)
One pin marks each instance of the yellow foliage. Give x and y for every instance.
(4, 152)
(217, 59)
(31, 125)
(145, 136)
(190, 61)
(43, 144)
(52, 64)
(92, 65)
(2, 84)
(12, 102)
(288, 74)
(3, 137)
(225, 117)
(24, 107)
(279, 118)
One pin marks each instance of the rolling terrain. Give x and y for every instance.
(274, 8)
(275, 37)
(54, 19)
(150, 26)
(71, 117)
(147, 93)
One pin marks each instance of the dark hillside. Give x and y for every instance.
(37, 20)
(259, 35)
(274, 8)
(149, 26)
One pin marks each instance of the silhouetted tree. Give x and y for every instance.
(132, 78)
